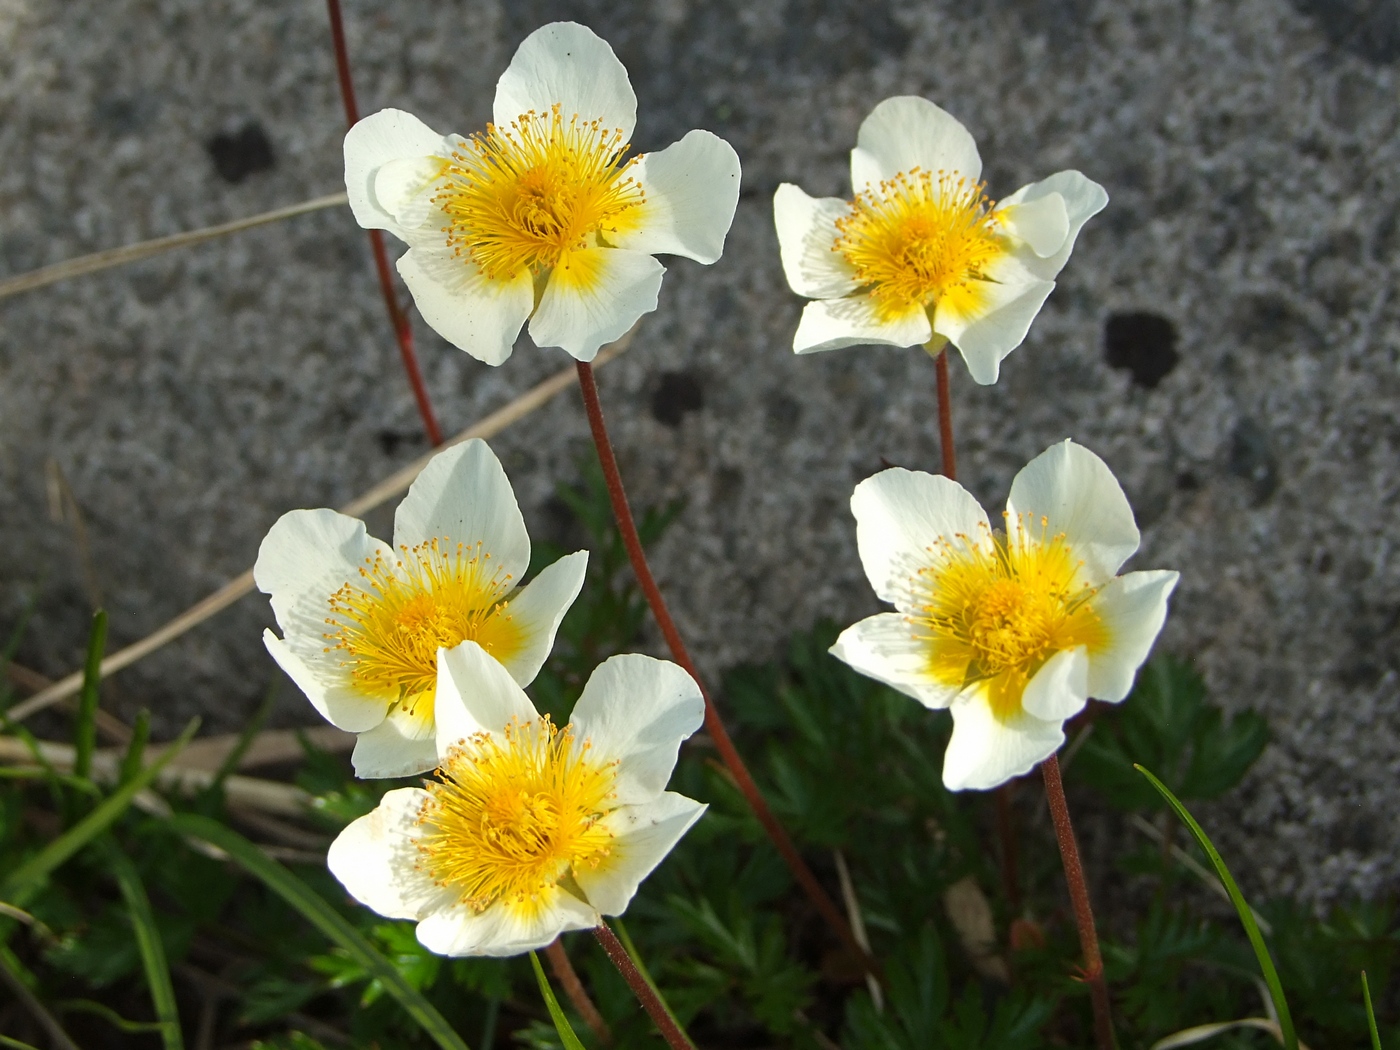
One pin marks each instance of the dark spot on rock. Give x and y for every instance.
(1272, 323)
(1324, 563)
(125, 115)
(1187, 482)
(782, 412)
(676, 394)
(1252, 458)
(1357, 831)
(238, 154)
(1142, 343)
(1369, 28)
(390, 441)
(727, 484)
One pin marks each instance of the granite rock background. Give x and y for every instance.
(1226, 335)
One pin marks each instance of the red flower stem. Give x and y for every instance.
(945, 416)
(403, 331)
(567, 976)
(1079, 896)
(622, 511)
(1006, 830)
(655, 1008)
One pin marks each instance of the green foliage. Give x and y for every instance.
(1169, 727)
(849, 765)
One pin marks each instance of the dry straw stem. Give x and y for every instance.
(394, 485)
(131, 253)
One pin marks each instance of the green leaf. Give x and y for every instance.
(152, 948)
(1246, 914)
(5, 1040)
(321, 915)
(85, 727)
(561, 1023)
(21, 883)
(136, 749)
(1370, 1012)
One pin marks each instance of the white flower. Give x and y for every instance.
(1012, 631)
(530, 830)
(540, 216)
(363, 621)
(921, 255)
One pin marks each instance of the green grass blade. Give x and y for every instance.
(151, 947)
(1251, 928)
(325, 918)
(566, 1032)
(5, 1040)
(136, 749)
(25, 879)
(85, 730)
(1370, 1012)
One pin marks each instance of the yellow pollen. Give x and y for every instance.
(526, 196)
(918, 238)
(390, 623)
(507, 821)
(996, 615)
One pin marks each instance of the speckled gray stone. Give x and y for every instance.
(1250, 150)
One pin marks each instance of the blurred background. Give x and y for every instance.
(1225, 335)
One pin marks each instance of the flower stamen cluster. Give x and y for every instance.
(525, 196)
(919, 237)
(506, 821)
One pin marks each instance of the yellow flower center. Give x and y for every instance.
(391, 623)
(507, 821)
(919, 238)
(996, 614)
(527, 196)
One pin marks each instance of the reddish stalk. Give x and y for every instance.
(655, 1008)
(567, 976)
(403, 331)
(1006, 831)
(1079, 896)
(622, 511)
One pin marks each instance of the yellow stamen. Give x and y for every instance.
(524, 197)
(996, 613)
(507, 822)
(918, 238)
(391, 622)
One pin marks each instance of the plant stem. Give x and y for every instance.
(567, 976)
(1079, 896)
(1006, 830)
(651, 1003)
(403, 331)
(622, 511)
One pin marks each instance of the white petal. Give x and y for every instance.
(986, 751)
(1079, 497)
(1083, 199)
(400, 746)
(330, 690)
(310, 554)
(1133, 608)
(830, 324)
(644, 835)
(901, 515)
(536, 610)
(405, 188)
(989, 321)
(593, 296)
(475, 694)
(637, 709)
(806, 241)
(1043, 223)
(390, 134)
(376, 859)
(908, 132)
(504, 929)
(463, 496)
(1060, 689)
(567, 64)
(459, 303)
(692, 189)
(885, 647)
